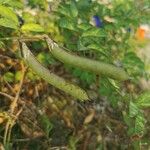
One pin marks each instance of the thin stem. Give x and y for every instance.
(6, 132)
(14, 103)
(30, 38)
(12, 124)
(7, 95)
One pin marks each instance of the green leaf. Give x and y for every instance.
(143, 100)
(140, 124)
(14, 3)
(73, 10)
(126, 118)
(2, 45)
(73, 143)
(84, 26)
(45, 58)
(4, 1)
(7, 23)
(28, 18)
(133, 110)
(6, 12)
(46, 124)
(64, 10)
(18, 75)
(114, 84)
(97, 48)
(65, 23)
(133, 64)
(80, 45)
(87, 77)
(8, 76)
(32, 27)
(94, 32)
(32, 76)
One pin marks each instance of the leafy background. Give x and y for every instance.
(118, 114)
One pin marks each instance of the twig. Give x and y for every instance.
(14, 103)
(7, 95)
(30, 38)
(20, 140)
(4, 56)
(10, 87)
(86, 141)
(11, 121)
(6, 132)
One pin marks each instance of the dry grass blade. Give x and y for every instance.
(12, 116)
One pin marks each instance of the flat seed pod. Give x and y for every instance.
(94, 66)
(51, 78)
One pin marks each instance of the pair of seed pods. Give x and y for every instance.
(73, 60)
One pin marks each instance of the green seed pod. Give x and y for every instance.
(86, 64)
(51, 78)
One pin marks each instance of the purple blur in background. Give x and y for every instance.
(97, 21)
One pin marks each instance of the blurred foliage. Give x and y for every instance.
(71, 23)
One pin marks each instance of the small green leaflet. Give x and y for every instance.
(97, 48)
(18, 76)
(73, 10)
(32, 27)
(14, 3)
(7, 13)
(139, 124)
(45, 58)
(133, 110)
(96, 32)
(9, 77)
(64, 10)
(133, 64)
(65, 23)
(84, 26)
(7, 23)
(46, 124)
(143, 100)
(68, 10)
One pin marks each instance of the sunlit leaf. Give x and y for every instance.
(4, 1)
(95, 32)
(6, 12)
(64, 23)
(32, 76)
(133, 109)
(73, 9)
(84, 26)
(64, 10)
(143, 100)
(2, 45)
(7, 23)
(18, 75)
(14, 3)
(9, 77)
(126, 118)
(32, 27)
(45, 58)
(133, 64)
(28, 18)
(97, 48)
(139, 124)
